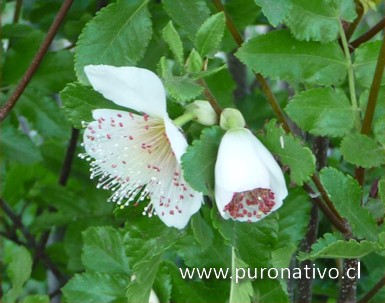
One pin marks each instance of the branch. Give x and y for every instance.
(7, 107)
(210, 97)
(368, 35)
(348, 286)
(376, 288)
(16, 14)
(331, 213)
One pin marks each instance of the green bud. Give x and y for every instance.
(231, 118)
(203, 112)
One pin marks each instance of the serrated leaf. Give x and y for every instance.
(194, 62)
(182, 89)
(171, 36)
(322, 112)
(189, 15)
(202, 231)
(118, 35)
(79, 101)
(366, 56)
(275, 11)
(96, 287)
(103, 251)
(332, 248)
(319, 20)
(345, 193)
(289, 150)
(280, 56)
(17, 146)
(362, 150)
(210, 34)
(199, 160)
(19, 270)
(241, 291)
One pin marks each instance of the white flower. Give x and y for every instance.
(249, 183)
(138, 155)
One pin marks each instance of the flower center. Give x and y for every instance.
(251, 204)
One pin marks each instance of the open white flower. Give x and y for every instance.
(138, 155)
(249, 183)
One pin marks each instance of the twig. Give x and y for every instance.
(348, 285)
(16, 15)
(371, 293)
(210, 97)
(7, 107)
(368, 35)
(353, 26)
(331, 213)
(31, 242)
(372, 102)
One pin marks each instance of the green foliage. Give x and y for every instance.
(199, 160)
(118, 35)
(362, 150)
(345, 194)
(202, 231)
(210, 34)
(331, 247)
(182, 88)
(269, 55)
(171, 36)
(319, 20)
(241, 291)
(275, 11)
(289, 150)
(322, 112)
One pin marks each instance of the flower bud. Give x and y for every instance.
(204, 113)
(231, 118)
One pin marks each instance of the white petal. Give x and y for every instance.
(222, 198)
(177, 140)
(277, 180)
(131, 87)
(238, 167)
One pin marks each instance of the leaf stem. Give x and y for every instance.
(232, 284)
(352, 87)
(7, 107)
(371, 293)
(210, 97)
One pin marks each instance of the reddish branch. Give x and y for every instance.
(7, 107)
(368, 35)
(376, 288)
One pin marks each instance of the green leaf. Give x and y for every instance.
(103, 251)
(199, 160)
(280, 56)
(241, 291)
(330, 247)
(319, 20)
(79, 101)
(194, 62)
(36, 299)
(289, 150)
(18, 270)
(362, 150)
(381, 190)
(322, 112)
(275, 11)
(96, 287)
(202, 231)
(18, 147)
(366, 56)
(210, 34)
(269, 291)
(345, 193)
(118, 35)
(171, 36)
(182, 88)
(189, 15)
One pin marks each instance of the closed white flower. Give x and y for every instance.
(249, 183)
(138, 155)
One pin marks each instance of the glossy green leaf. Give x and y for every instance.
(104, 252)
(280, 56)
(319, 20)
(199, 160)
(290, 152)
(171, 36)
(322, 112)
(96, 287)
(365, 61)
(118, 35)
(189, 15)
(345, 193)
(331, 247)
(182, 88)
(275, 11)
(79, 101)
(362, 150)
(210, 34)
